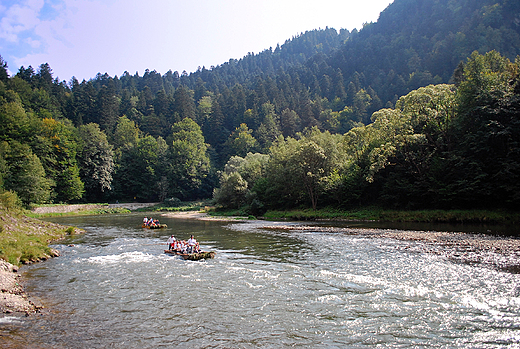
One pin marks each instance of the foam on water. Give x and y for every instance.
(10, 320)
(125, 257)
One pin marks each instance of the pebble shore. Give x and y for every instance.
(12, 297)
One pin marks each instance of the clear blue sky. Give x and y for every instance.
(84, 37)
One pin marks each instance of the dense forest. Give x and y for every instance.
(417, 110)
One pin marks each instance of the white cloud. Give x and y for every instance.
(33, 43)
(20, 18)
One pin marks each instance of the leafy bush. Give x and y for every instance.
(172, 202)
(10, 200)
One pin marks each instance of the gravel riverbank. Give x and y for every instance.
(12, 297)
(498, 252)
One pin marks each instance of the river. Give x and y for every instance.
(113, 287)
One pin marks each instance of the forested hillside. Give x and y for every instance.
(348, 114)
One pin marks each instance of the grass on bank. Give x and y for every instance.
(23, 244)
(422, 216)
(24, 239)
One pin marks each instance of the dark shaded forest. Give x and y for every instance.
(417, 110)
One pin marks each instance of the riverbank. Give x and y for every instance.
(498, 252)
(417, 216)
(202, 216)
(23, 240)
(86, 209)
(13, 298)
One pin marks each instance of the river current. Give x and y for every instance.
(113, 287)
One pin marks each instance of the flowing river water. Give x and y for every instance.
(113, 287)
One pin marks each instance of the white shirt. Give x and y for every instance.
(192, 241)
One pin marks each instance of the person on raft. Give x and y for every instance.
(191, 244)
(171, 242)
(150, 222)
(184, 246)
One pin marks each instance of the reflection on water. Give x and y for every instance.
(113, 287)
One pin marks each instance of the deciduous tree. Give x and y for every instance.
(189, 161)
(96, 161)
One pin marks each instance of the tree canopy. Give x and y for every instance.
(419, 109)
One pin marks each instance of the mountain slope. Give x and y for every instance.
(414, 43)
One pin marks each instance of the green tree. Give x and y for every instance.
(361, 103)
(216, 134)
(241, 141)
(232, 191)
(204, 109)
(269, 129)
(303, 169)
(96, 161)
(319, 157)
(183, 105)
(126, 134)
(4, 75)
(86, 105)
(488, 129)
(252, 167)
(329, 120)
(126, 165)
(56, 145)
(14, 122)
(189, 162)
(25, 174)
(282, 188)
(44, 77)
(108, 108)
(238, 180)
(289, 122)
(143, 168)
